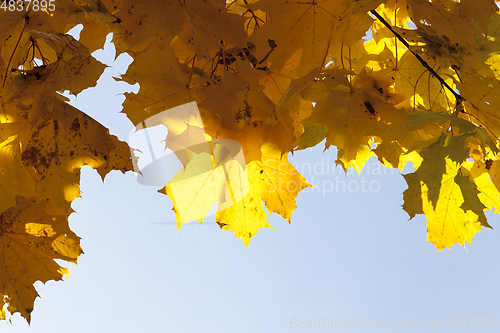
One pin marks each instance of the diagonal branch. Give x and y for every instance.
(458, 97)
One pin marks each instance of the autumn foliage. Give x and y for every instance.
(276, 76)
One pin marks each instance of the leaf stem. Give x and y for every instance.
(39, 51)
(326, 56)
(11, 56)
(191, 74)
(342, 55)
(483, 124)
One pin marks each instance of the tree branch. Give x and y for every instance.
(458, 97)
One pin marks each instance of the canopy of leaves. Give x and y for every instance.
(275, 76)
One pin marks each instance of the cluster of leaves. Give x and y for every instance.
(275, 75)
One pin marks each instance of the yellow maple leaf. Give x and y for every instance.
(447, 222)
(452, 198)
(207, 179)
(354, 108)
(238, 109)
(271, 77)
(164, 84)
(295, 25)
(58, 148)
(32, 235)
(276, 181)
(272, 180)
(146, 23)
(10, 158)
(74, 70)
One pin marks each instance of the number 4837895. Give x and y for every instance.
(26, 5)
(469, 323)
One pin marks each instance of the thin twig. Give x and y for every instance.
(396, 24)
(458, 97)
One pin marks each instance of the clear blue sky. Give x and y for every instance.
(348, 257)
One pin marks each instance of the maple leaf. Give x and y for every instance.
(146, 22)
(32, 235)
(272, 180)
(10, 153)
(74, 70)
(58, 149)
(443, 189)
(277, 182)
(168, 84)
(449, 22)
(44, 144)
(208, 178)
(238, 109)
(313, 134)
(306, 25)
(244, 218)
(362, 109)
(270, 77)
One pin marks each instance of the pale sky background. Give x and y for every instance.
(346, 256)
